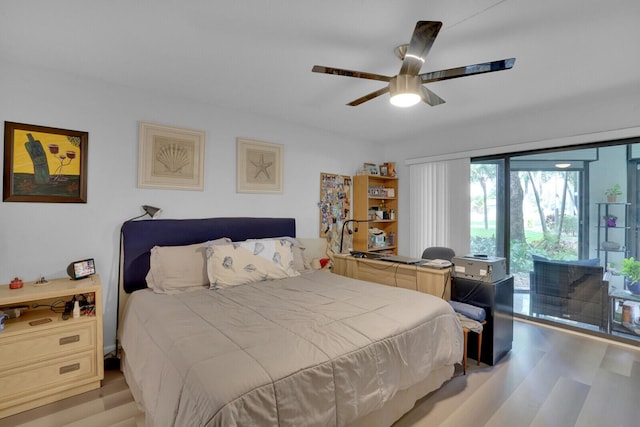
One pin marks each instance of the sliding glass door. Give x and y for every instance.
(548, 214)
(487, 212)
(545, 214)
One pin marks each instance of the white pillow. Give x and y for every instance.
(314, 247)
(238, 263)
(175, 269)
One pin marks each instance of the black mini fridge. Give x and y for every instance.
(497, 300)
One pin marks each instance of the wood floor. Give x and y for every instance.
(550, 378)
(110, 406)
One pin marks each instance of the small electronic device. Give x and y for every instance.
(81, 269)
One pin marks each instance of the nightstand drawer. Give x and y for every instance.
(41, 377)
(47, 344)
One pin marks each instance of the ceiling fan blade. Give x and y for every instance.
(349, 73)
(369, 96)
(423, 37)
(469, 70)
(430, 97)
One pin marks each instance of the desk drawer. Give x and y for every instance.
(31, 347)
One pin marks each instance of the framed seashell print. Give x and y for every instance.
(170, 157)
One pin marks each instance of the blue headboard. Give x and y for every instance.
(138, 237)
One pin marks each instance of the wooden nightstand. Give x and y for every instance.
(44, 358)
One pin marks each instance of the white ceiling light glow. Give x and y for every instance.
(405, 90)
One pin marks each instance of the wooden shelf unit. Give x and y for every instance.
(44, 358)
(364, 202)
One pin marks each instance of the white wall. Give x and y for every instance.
(43, 238)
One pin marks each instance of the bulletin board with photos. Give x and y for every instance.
(335, 202)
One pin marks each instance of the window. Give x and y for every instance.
(544, 212)
(487, 213)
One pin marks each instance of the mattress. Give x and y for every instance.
(314, 350)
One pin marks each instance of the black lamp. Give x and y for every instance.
(152, 211)
(345, 223)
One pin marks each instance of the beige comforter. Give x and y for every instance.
(314, 350)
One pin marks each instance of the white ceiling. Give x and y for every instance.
(256, 56)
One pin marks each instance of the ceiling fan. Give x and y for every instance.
(406, 88)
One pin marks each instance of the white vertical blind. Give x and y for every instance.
(439, 205)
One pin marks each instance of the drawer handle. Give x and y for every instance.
(69, 340)
(69, 368)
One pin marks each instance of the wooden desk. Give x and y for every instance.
(422, 279)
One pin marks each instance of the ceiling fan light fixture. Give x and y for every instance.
(405, 90)
(404, 100)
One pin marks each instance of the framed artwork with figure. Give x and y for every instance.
(44, 164)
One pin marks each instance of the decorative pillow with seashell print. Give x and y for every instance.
(300, 263)
(238, 263)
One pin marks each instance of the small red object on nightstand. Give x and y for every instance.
(16, 283)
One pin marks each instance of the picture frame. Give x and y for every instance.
(260, 166)
(170, 157)
(371, 168)
(44, 164)
(391, 169)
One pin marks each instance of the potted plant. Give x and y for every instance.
(613, 192)
(631, 268)
(610, 220)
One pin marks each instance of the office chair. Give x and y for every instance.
(438, 252)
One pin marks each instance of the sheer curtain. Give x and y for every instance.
(439, 205)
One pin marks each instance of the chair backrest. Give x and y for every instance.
(438, 252)
(570, 290)
(569, 280)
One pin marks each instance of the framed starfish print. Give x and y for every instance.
(260, 166)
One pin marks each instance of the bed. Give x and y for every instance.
(313, 348)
